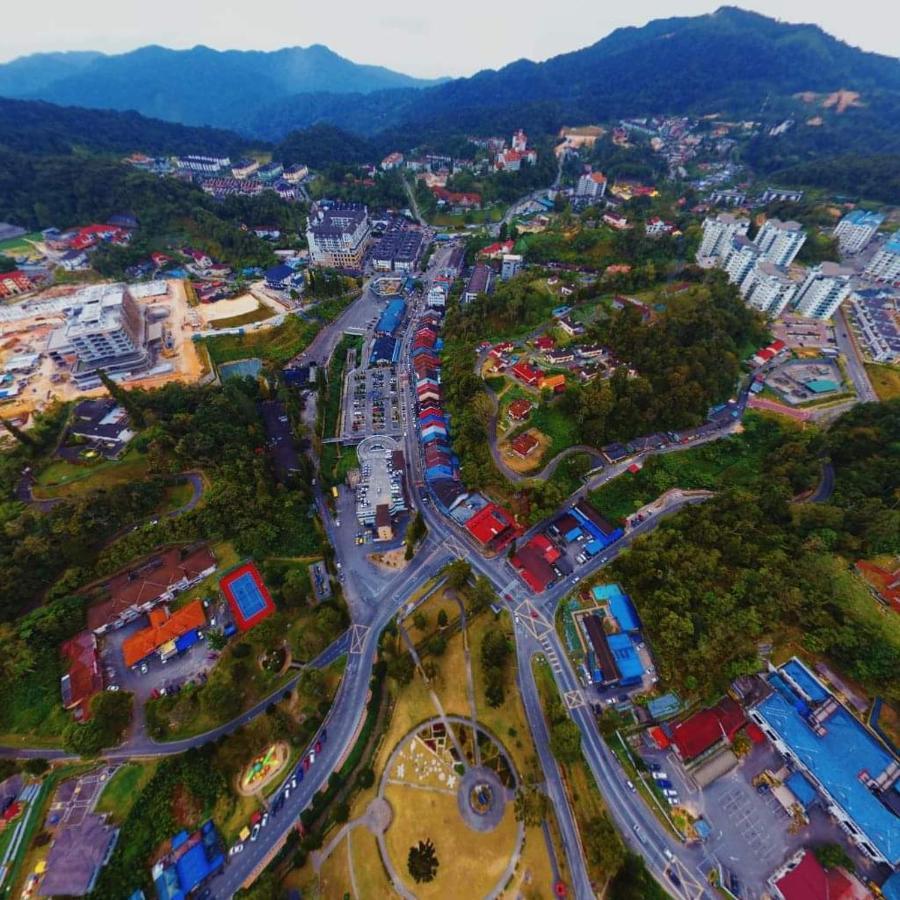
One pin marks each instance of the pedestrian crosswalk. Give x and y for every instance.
(550, 653)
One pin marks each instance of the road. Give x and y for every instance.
(855, 368)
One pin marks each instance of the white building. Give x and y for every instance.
(511, 266)
(856, 229)
(338, 235)
(823, 290)
(719, 233)
(885, 264)
(591, 186)
(768, 288)
(437, 296)
(780, 242)
(740, 259)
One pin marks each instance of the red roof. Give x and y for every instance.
(534, 569)
(488, 523)
(809, 881)
(545, 342)
(660, 738)
(703, 730)
(777, 346)
(245, 618)
(524, 444)
(84, 678)
(519, 409)
(527, 373)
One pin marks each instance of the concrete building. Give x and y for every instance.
(768, 288)
(106, 329)
(885, 264)
(780, 242)
(856, 229)
(740, 259)
(479, 283)
(338, 235)
(875, 313)
(591, 186)
(824, 289)
(511, 266)
(719, 233)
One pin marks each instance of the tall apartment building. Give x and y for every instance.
(740, 258)
(885, 264)
(780, 242)
(856, 229)
(719, 233)
(338, 235)
(768, 288)
(823, 290)
(510, 266)
(106, 329)
(591, 186)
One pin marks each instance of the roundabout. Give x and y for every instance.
(451, 782)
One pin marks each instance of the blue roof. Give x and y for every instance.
(391, 317)
(663, 707)
(186, 641)
(622, 610)
(865, 217)
(837, 757)
(891, 888)
(605, 592)
(701, 826)
(279, 273)
(573, 534)
(801, 788)
(894, 243)
(627, 659)
(593, 547)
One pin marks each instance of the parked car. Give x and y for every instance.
(630, 786)
(255, 833)
(235, 849)
(664, 784)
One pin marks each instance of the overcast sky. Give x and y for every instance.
(421, 37)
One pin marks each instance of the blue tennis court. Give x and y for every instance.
(247, 595)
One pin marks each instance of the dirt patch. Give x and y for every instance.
(390, 559)
(841, 101)
(228, 309)
(815, 121)
(185, 807)
(522, 465)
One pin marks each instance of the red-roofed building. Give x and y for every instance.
(84, 678)
(524, 444)
(707, 729)
(496, 251)
(804, 878)
(533, 569)
(457, 199)
(519, 410)
(545, 342)
(13, 283)
(527, 373)
(545, 547)
(885, 582)
(490, 524)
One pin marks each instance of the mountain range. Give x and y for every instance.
(734, 63)
(199, 86)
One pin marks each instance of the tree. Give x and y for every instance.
(401, 668)
(531, 805)
(36, 766)
(565, 741)
(458, 574)
(442, 618)
(422, 861)
(216, 639)
(420, 620)
(603, 844)
(833, 856)
(21, 436)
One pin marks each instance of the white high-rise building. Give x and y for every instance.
(780, 242)
(718, 234)
(885, 264)
(768, 288)
(591, 186)
(823, 290)
(338, 235)
(856, 229)
(740, 259)
(511, 266)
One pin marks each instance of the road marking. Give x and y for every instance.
(358, 635)
(574, 699)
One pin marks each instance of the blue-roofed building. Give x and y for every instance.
(631, 670)
(664, 707)
(573, 535)
(594, 524)
(856, 775)
(798, 784)
(391, 317)
(622, 610)
(190, 862)
(592, 548)
(891, 888)
(385, 351)
(279, 278)
(856, 229)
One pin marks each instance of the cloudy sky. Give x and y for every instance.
(415, 36)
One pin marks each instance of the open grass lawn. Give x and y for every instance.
(232, 812)
(31, 712)
(65, 479)
(368, 869)
(276, 345)
(475, 217)
(552, 421)
(21, 246)
(466, 857)
(885, 380)
(124, 788)
(334, 876)
(177, 495)
(439, 601)
(260, 314)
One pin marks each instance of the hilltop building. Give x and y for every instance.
(824, 289)
(780, 242)
(719, 234)
(885, 264)
(856, 229)
(338, 235)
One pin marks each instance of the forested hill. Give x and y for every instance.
(39, 128)
(733, 62)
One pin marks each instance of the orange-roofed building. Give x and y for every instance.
(555, 383)
(163, 628)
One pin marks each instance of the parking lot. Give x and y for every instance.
(372, 403)
(153, 674)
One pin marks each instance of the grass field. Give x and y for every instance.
(65, 479)
(124, 788)
(260, 314)
(552, 421)
(276, 345)
(466, 857)
(31, 713)
(475, 217)
(20, 246)
(885, 380)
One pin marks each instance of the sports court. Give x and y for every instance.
(247, 596)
